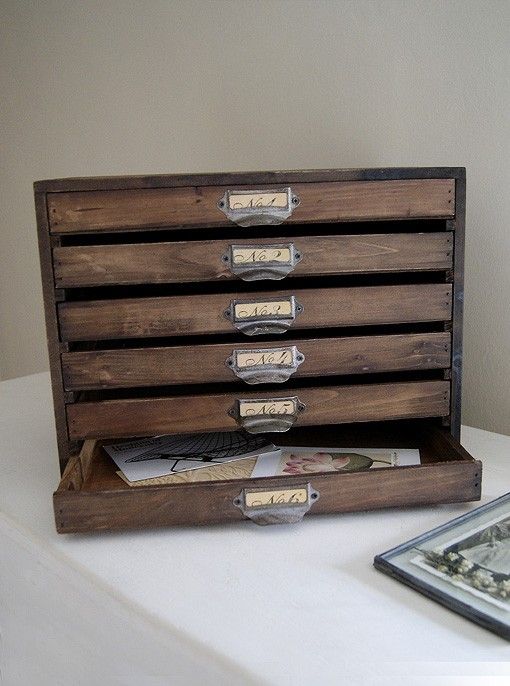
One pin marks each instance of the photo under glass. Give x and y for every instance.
(464, 564)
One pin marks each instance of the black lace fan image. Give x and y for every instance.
(205, 447)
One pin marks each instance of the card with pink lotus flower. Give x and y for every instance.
(312, 460)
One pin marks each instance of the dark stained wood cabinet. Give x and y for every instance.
(160, 292)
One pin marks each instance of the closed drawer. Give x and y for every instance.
(197, 206)
(162, 366)
(187, 261)
(148, 416)
(207, 314)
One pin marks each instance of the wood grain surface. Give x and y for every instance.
(159, 366)
(52, 329)
(254, 179)
(197, 205)
(192, 413)
(205, 314)
(187, 261)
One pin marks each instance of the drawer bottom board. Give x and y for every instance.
(92, 497)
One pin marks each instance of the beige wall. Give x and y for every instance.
(121, 87)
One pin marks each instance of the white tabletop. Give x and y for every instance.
(237, 604)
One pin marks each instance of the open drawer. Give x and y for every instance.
(93, 497)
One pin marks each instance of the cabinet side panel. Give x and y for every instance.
(458, 302)
(52, 335)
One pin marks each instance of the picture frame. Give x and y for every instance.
(463, 565)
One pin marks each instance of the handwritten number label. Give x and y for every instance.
(270, 408)
(261, 201)
(264, 357)
(263, 309)
(266, 408)
(298, 496)
(243, 201)
(261, 255)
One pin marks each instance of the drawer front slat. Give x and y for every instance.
(202, 260)
(197, 206)
(206, 363)
(188, 315)
(328, 405)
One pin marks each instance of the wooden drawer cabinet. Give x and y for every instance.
(173, 303)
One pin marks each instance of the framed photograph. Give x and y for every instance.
(463, 564)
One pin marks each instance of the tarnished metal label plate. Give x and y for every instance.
(258, 207)
(265, 365)
(271, 315)
(259, 262)
(261, 415)
(276, 505)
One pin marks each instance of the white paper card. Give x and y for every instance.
(149, 458)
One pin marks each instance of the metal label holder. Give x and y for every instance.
(271, 315)
(265, 365)
(256, 208)
(261, 415)
(258, 262)
(276, 505)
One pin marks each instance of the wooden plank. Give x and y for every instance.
(201, 314)
(52, 332)
(198, 364)
(250, 178)
(105, 502)
(96, 265)
(458, 303)
(197, 205)
(326, 405)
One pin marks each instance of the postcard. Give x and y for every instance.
(306, 461)
(150, 458)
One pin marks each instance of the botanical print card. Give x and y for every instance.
(305, 461)
(148, 458)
